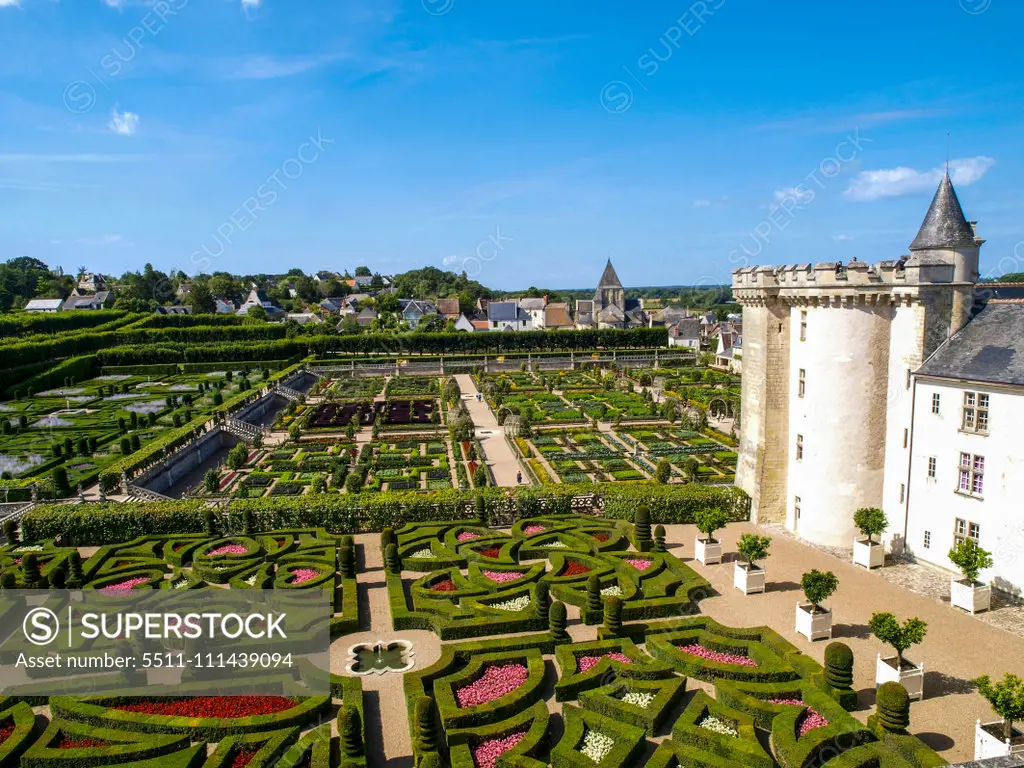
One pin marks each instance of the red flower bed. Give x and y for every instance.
(601, 536)
(808, 721)
(576, 568)
(66, 742)
(490, 552)
(243, 757)
(6, 730)
(696, 649)
(584, 663)
(212, 706)
(496, 681)
(444, 586)
(486, 753)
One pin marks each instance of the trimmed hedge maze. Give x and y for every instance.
(479, 581)
(211, 732)
(525, 695)
(531, 701)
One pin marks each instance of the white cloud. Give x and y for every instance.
(123, 123)
(800, 194)
(701, 203)
(9, 3)
(895, 182)
(843, 238)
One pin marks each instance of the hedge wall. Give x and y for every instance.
(79, 368)
(97, 524)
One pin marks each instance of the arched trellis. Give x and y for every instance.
(512, 425)
(719, 406)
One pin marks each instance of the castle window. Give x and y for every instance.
(972, 474)
(932, 464)
(906, 437)
(935, 402)
(796, 507)
(908, 378)
(799, 447)
(974, 416)
(927, 539)
(964, 529)
(903, 492)
(801, 388)
(803, 325)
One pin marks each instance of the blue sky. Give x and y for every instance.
(523, 142)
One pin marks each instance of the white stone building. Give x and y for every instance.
(965, 477)
(829, 355)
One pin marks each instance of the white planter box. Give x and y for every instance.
(988, 745)
(813, 626)
(708, 552)
(748, 582)
(868, 555)
(910, 677)
(970, 597)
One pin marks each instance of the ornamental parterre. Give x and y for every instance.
(486, 753)
(696, 649)
(212, 706)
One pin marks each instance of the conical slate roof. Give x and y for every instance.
(945, 225)
(609, 279)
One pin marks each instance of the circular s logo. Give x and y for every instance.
(41, 626)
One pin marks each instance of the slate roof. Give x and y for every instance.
(945, 225)
(608, 278)
(43, 305)
(990, 348)
(532, 304)
(505, 312)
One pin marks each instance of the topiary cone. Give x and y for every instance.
(75, 570)
(347, 558)
(351, 727)
(556, 623)
(391, 559)
(426, 737)
(659, 539)
(839, 665)
(541, 599)
(642, 529)
(613, 615)
(893, 707)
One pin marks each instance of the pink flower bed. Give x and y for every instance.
(502, 577)
(228, 549)
(467, 536)
(124, 586)
(584, 663)
(486, 753)
(532, 529)
(638, 563)
(496, 681)
(696, 649)
(302, 575)
(808, 721)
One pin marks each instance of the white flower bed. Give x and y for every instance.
(639, 699)
(612, 591)
(718, 725)
(153, 406)
(251, 581)
(556, 545)
(30, 548)
(180, 584)
(422, 554)
(596, 745)
(60, 392)
(515, 604)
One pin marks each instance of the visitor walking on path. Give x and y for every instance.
(519, 478)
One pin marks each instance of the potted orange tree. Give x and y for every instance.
(707, 549)
(871, 522)
(887, 628)
(1001, 738)
(749, 577)
(969, 593)
(812, 620)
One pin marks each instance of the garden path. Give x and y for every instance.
(957, 648)
(499, 456)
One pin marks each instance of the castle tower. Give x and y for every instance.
(828, 351)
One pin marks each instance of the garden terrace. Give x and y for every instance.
(580, 456)
(351, 388)
(408, 411)
(715, 461)
(406, 465)
(78, 426)
(334, 416)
